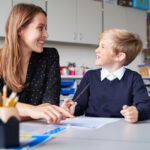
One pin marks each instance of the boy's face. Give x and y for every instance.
(105, 55)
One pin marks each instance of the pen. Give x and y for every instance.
(82, 92)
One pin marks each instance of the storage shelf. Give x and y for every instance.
(71, 77)
(146, 77)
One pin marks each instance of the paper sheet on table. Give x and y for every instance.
(88, 122)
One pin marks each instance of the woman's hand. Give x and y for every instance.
(51, 113)
(130, 113)
(69, 105)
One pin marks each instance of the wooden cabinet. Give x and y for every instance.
(76, 21)
(5, 8)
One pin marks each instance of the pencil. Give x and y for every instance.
(82, 92)
(11, 99)
(5, 91)
(25, 135)
(0, 99)
(15, 100)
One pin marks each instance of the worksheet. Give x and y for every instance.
(88, 122)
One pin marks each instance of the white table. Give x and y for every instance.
(115, 136)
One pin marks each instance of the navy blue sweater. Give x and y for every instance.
(106, 98)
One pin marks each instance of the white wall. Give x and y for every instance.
(81, 54)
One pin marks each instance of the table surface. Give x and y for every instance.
(120, 135)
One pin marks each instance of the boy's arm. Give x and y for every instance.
(140, 98)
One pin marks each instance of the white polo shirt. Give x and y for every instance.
(113, 75)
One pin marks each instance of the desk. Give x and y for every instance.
(115, 136)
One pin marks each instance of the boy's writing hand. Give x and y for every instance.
(130, 113)
(69, 105)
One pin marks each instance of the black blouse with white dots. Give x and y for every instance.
(42, 80)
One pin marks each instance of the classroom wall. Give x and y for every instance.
(81, 54)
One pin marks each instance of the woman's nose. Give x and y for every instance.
(46, 34)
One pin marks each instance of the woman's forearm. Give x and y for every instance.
(24, 110)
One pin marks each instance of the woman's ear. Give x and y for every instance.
(20, 32)
(120, 57)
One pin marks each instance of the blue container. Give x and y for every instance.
(66, 91)
(67, 82)
(141, 4)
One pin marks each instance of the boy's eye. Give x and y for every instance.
(102, 46)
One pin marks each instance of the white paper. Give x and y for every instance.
(88, 122)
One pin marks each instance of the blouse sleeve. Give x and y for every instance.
(52, 87)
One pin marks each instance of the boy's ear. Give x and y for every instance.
(120, 57)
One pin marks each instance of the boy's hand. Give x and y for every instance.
(69, 105)
(130, 113)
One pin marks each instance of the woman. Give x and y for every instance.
(28, 68)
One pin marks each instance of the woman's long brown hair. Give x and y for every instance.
(10, 55)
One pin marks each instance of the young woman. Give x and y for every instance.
(29, 69)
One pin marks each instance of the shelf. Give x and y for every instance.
(145, 77)
(71, 77)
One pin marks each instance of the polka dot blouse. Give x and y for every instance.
(42, 79)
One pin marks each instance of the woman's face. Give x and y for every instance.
(32, 37)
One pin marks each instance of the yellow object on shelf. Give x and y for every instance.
(144, 69)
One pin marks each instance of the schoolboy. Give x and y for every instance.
(114, 91)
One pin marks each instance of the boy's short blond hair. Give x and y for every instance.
(124, 41)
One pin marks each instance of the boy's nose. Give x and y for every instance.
(96, 50)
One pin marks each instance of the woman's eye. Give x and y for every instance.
(41, 28)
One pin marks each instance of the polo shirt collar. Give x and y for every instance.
(117, 74)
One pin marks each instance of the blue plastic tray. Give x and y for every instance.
(66, 91)
(67, 82)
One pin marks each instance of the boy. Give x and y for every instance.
(114, 91)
